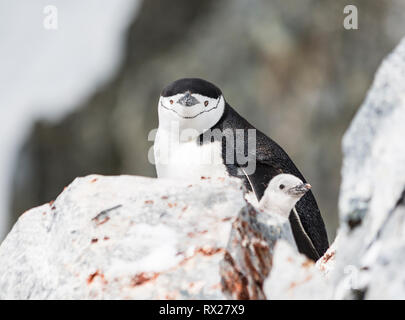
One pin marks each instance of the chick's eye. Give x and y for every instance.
(282, 186)
(205, 103)
(171, 101)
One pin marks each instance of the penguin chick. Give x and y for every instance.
(279, 199)
(282, 193)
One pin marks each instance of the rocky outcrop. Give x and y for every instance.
(372, 198)
(249, 256)
(369, 253)
(293, 276)
(122, 238)
(140, 238)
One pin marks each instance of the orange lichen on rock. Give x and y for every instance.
(235, 281)
(295, 284)
(143, 277)
(208, 251)
(94, 275)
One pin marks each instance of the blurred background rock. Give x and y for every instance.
(289, 67)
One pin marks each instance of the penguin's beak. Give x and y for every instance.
(300, 189)
(188, 100)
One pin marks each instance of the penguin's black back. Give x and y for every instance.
(272, 160)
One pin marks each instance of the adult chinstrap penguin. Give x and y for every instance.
(201, 135)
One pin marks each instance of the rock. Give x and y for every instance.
(366, 261)
(373, 179)
(372, 195)
(249, 255)
(294, 276)
(327, 262)
(140, 238)
(122, 238)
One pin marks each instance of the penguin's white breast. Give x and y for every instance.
(188, 160)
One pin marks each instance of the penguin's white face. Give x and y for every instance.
(192, 104)
(188, 106)
(282, 193)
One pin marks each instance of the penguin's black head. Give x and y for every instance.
(193, 101)
(192, 86)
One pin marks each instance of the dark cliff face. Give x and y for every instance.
(289, 67)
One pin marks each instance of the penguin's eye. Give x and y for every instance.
(206, 103)
(171, 101)
(281, 186)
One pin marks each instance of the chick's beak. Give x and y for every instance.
(300, 189)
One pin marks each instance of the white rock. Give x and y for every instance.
(374, 149)
(373, 184)
(122, 238)
(366, 261)
(294, 276)
(249, 255)
(141, 238)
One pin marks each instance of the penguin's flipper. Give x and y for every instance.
(302, 239)
(249, 183)
(259, 180)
